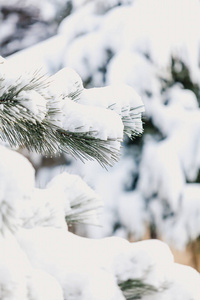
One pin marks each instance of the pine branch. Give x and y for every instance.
(132, 121)
(134, 289)
(35, 81)
(75, 95)
(20, 127)
(86, 147)
(46, 138)
(83, 210)
(121, 99)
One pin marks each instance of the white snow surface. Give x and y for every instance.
(149, 35)
(133, 44)
(44, 260)
(16, 186)
(140, 54)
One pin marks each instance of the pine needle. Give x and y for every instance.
(21, 128)
(135, 289)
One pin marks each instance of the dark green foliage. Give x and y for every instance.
(134, 289)
(21, 128)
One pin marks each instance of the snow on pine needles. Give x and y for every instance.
(44, 114)
(43, 260)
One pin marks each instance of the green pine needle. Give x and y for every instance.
(82, 210)
(128, 121)
(20, 128)
(135, 289)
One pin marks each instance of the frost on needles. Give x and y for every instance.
(53, 114)
(39, 258)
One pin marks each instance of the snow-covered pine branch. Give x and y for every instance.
(120, 98)
(123, 100)
(43, 114)
(74, 267)
(81, 203)
(66, 198)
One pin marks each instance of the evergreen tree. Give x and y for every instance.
(39, 258)
(156, 51)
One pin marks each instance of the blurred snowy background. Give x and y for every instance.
(153, 46)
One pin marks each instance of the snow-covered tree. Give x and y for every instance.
(39, 258)
(153, 46)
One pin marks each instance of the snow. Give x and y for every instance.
(132, 214)
(45, 209)
(138, 55)
(147, 42)
(65, 196)
(185, 98)
(189, 209)
(80, 22)
(161, 38)
(34, 102)
(117, 96)
(44, 286)
(16, 186)
(120, 98)
(43, 252)
(80, 199)
(19, 280)
(45, 56)
(143, 78)
(81, 118)
(7, 27)
(124, 259)
(65, 82)
(54, 100)
(167, 184)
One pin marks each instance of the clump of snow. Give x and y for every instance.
(71, 26)
(132, 215)
(67, 197)
(45, 56)
(18, 279)
(149, 260)
(97, 121)
(166, 184)
(183, 97)
(34, 102)
(42, 252)
(181, 231)
(112, 259)
(64, 82)
(120, 98)
(81, 202)
(16, 185)
(45, 209)
(24, 90)
(135, 70)
(117, 97)
(178, 38)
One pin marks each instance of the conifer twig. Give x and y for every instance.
(135, 289)
(20, 127)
